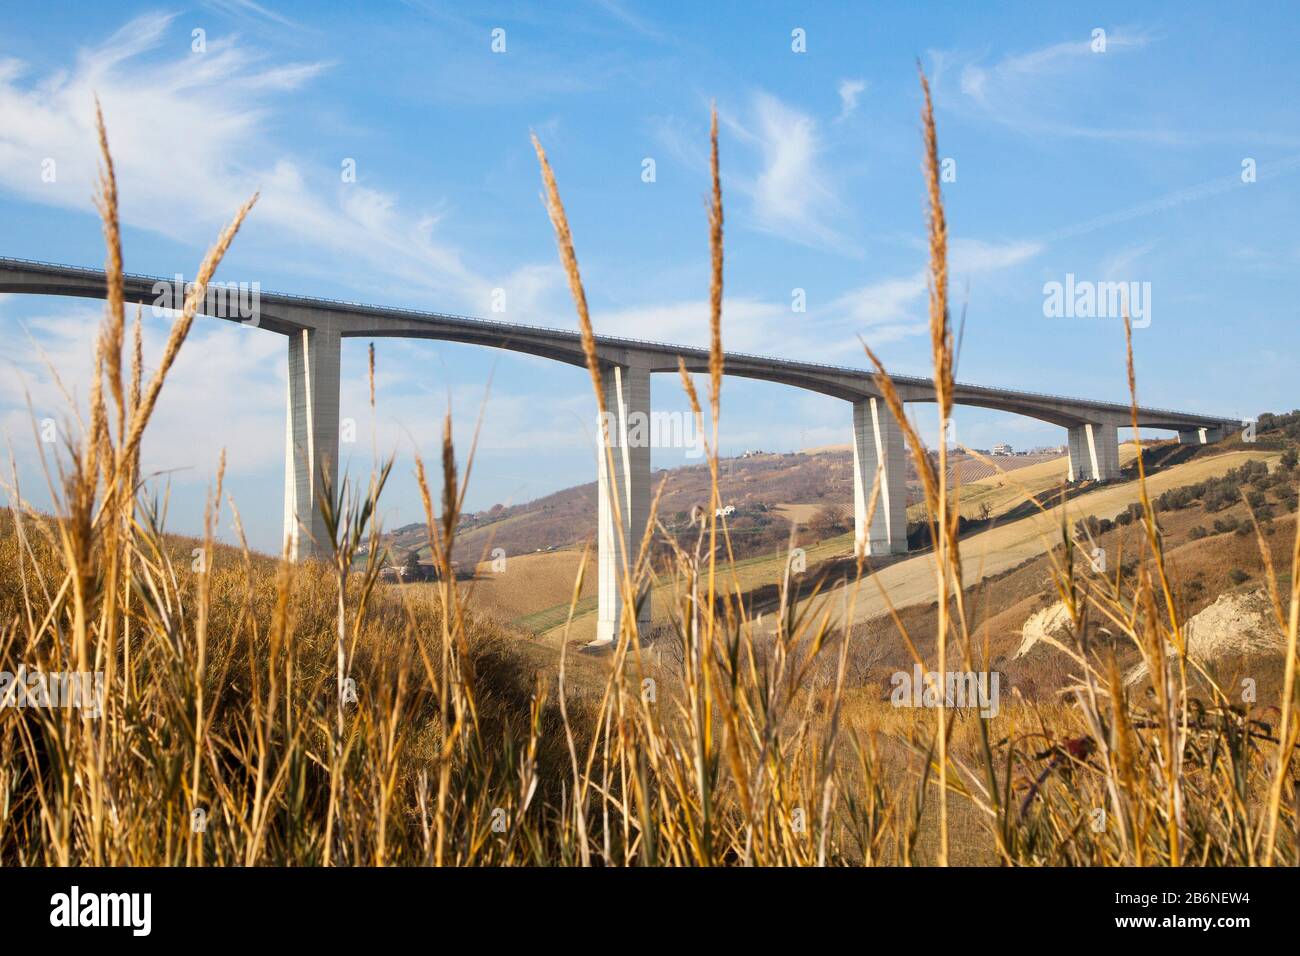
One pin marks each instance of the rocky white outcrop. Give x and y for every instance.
(1051, 625)
(1242, 623)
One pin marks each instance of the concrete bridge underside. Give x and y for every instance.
(314, 329)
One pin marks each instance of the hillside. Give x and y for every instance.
(769, 491)
(544, 540)
(1016, 532)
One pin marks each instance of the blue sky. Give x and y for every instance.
(1122, 165)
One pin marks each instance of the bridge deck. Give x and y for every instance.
(284, 312)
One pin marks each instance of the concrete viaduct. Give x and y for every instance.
(315, 327)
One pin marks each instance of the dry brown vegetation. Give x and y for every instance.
(226, 688)
(527, 584)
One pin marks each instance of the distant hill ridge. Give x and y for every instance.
(757, 484)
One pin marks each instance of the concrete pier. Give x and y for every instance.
(1200, 436)
(626, 429)
(1094, 452)
(311, 438)
(877, 439)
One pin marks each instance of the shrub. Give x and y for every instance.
(1218, 499)
(829, 520)
(1238, 576)
(1092, 526)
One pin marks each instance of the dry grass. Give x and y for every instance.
(529, 583)
(227, 689)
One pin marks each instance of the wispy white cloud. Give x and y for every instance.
(893, 308)
(1119, 265)
(1172, 200)
(969, 257)
(792, 194)
(887, 302)
(1033, 91)
(623, 15)
(884, 310)
(192, 137)
(248, 8)
(849, 91)
(226, 390)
